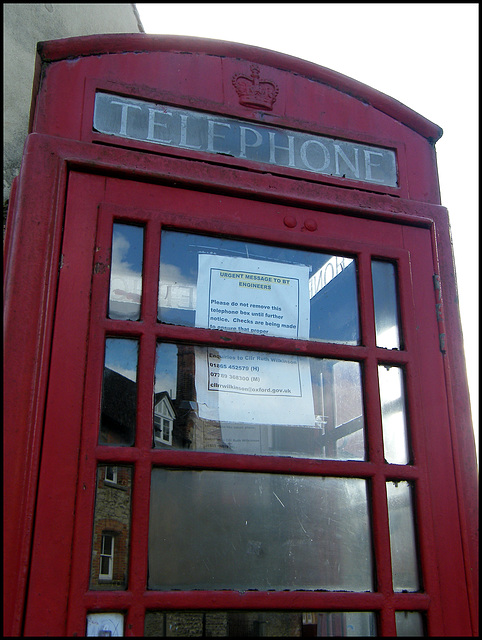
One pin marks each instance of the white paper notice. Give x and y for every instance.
(253, 387)
(253, 296)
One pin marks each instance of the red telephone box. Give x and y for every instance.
(235, 393)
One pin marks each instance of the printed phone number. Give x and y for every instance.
(232, 376)
(239, 367)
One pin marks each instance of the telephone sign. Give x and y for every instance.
(236, 400)
(188, 129)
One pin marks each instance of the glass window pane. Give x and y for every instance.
(105, 570)
(409, 623)
(259, 623)
(252, 288)
(111, 474)
(239, 530)
(386, 304)
(257, 403)
(126, 272)
(119, 392)
(394, 421)
(106, 545)
(402, 537)
(111, 531)
(345, 623)
(108, 623)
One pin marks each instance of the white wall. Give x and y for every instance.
(26, 24)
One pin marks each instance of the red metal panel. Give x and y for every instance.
(50, 572)
(461, 431)
(31, 264)
(438, 446)
(282, 191)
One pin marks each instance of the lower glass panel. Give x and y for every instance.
(242, 530)
(229, 624)
(110, 539)
(252, 402)
(403, 540)
(409, 623)
(105, 624)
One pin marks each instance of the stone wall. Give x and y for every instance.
(244, 624)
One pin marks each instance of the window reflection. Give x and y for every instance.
(126, 272)
(110, 539)
(228, 400)
(386, 304)
(247, 624)
(252, 288)
(119, 392)
(394, 421)
(238, 530)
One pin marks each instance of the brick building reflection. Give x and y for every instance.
(111, 532)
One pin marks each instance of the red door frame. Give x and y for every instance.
(28, 349)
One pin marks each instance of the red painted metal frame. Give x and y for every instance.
(41, 149)
(142, 456)
(50, 459)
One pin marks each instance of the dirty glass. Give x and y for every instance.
(394, 421)
(119, 392)
(386, 304)
(244, 530)
(108, 623)
(111, 530)
(258, 289)
(403, 543)
(345, 623)
(409, 623)
(125, 289)
(249, 624)
(251, 402)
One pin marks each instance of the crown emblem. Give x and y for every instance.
(254, 92)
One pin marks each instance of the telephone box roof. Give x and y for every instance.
(55, 50)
